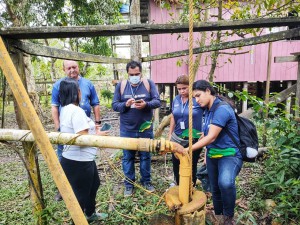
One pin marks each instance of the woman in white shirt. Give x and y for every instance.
(78, 162)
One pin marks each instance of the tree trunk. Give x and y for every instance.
(164, 123)
(215, 54)
(52, 71)
(136, 40)
(202, 43)
(23, 65)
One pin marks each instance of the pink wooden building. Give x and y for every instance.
(235, 71)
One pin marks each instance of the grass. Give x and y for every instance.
(16, 207)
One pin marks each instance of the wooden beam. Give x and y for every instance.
(35, 49)
(282, 35)
(280, 97)
(39, 50)
(140, 29)
(281, 59)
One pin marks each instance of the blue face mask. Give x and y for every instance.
(134, 79)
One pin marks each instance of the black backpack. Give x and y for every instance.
(247, 133)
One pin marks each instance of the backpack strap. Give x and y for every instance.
(146, 84)
(225, 128)
(232, 138)
(124, 83)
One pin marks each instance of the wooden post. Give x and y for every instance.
(298, 91)
(30, 151)
(245, 88)
(288, 101)
(294, 58)
(267, 91)
(171, 94)
(39, 133)
(156, 116)
(136, 40)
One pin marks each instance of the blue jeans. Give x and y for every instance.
(128, 160)
(59, 152)
(222, 173)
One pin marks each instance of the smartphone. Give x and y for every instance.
(105, 127)
(138, 101)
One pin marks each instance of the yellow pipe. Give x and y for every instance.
(39, 133)
(185, 171)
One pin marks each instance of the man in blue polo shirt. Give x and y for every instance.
(89, 99)
(135, 99)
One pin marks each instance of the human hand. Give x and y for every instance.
(179, 148)
(140, 104)
(129, 102)
(102, 133)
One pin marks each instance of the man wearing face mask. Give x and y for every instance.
(135, 99)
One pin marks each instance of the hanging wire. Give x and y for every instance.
(191, 80)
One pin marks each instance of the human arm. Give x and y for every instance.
(55, 102)
(212, 135)
(96, 110)
(55, 116)
(155, 101)
(98, 132)
(94, 102)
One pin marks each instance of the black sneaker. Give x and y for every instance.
(128, 191)
(149, 187)
(96, 216)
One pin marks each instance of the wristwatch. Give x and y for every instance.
(98, 122)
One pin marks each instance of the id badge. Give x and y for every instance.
(182, 127)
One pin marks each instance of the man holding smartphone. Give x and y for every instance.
(135, 102)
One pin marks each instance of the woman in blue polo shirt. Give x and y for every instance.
(179, 124)
(223, 159)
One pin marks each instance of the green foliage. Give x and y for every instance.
(278, 176)
(280, 182)
(16, 207)
(106, 94)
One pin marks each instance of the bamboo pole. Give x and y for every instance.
(39, 133)
(137, 144)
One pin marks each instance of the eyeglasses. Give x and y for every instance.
(134, 74)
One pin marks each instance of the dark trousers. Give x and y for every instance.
(84, 179)
(176, 163)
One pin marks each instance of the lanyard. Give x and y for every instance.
(183, 106)
(133, 93)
